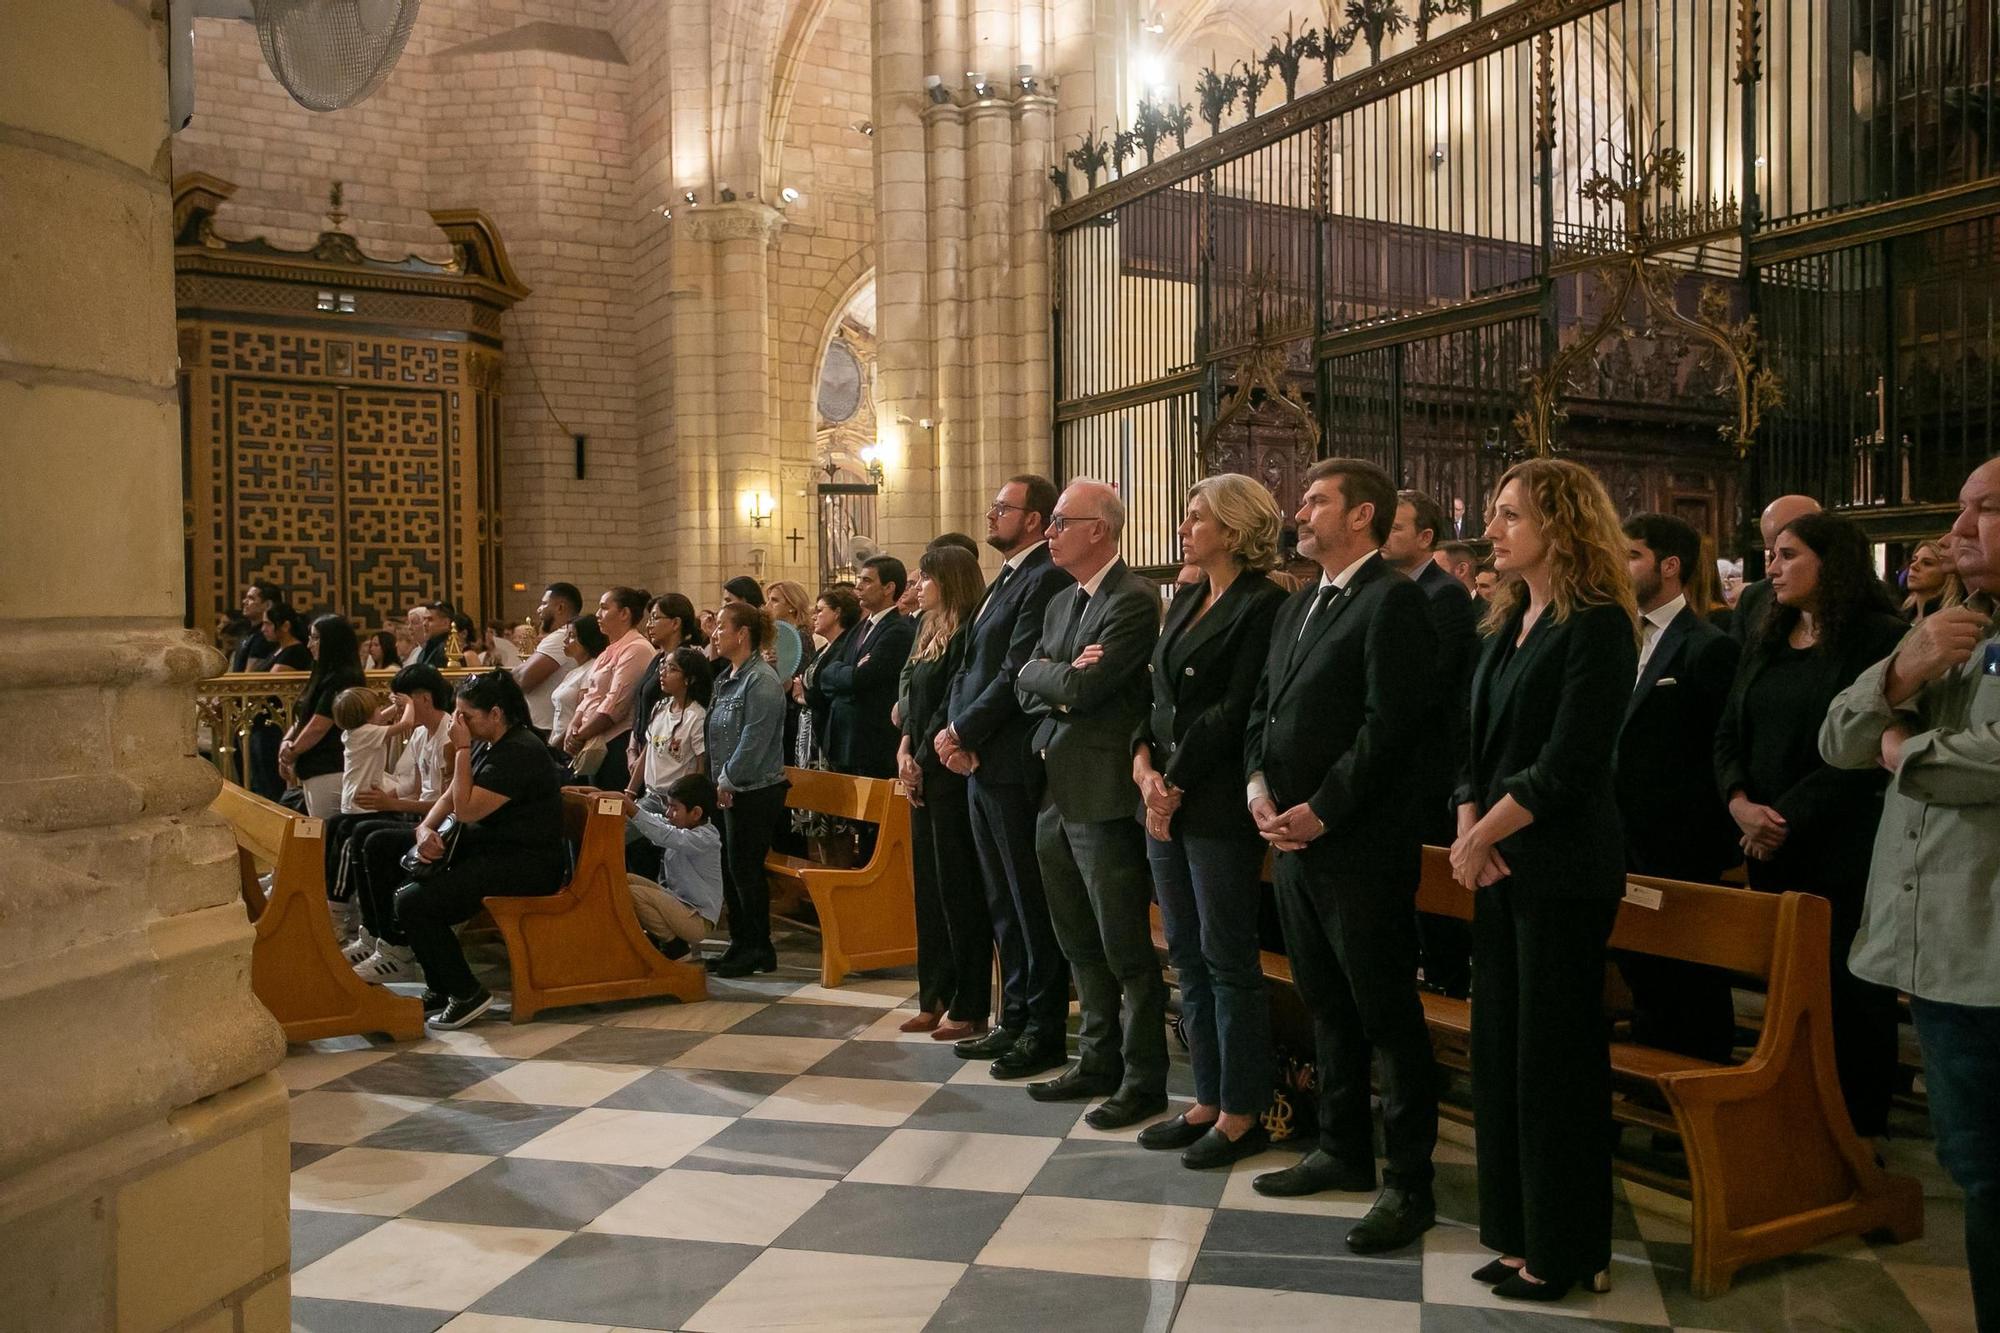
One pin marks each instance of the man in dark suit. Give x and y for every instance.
(1446, 941)
(1087, 683)
(862, 682)
(437, 633)
(1755, 598)
(987, 740)
(1676, 825)
(1348, 691)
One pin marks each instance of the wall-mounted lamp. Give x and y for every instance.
(1156, 23)
(1024, 75)
(871, 459)
(864, 128)
(980, 87)
(934, 86)
(762, 506)
(727, 195)
(1437, 155)
(789, 195)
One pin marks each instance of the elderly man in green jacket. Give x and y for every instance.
(1930, 714)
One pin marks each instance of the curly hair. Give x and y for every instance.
(1848, 594)
(1242, 507)
(1585, 541)
(1954, 589)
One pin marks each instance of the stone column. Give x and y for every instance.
(143, 1143)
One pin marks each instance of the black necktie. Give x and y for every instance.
(1326, 594)
(993, 589)
(1076, 623)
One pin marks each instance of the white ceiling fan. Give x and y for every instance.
(328, 54)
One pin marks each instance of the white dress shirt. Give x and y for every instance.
(1653, 624)
(1258, 788)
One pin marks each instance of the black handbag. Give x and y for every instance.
(419, 869)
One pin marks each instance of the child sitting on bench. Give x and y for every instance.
(679, 906)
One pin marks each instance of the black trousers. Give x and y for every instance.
(428, 911)
(1034, 977)
(1352, 940)
(379, 845)
(1541, 1078)
(262, 745)
(748, 826)
(954, 932)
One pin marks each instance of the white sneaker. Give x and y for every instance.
(389, 962)
(360, 947)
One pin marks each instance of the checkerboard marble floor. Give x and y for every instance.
(781, 1157)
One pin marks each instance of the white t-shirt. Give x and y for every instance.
(675, 739)
(541, 699)
(564, 698)
(504, 653)
(365, 766)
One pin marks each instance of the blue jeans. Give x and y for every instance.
(1208, 890)
(1962, 1076)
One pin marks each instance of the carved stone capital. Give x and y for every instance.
(742, 221)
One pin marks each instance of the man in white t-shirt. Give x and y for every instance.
(543, 669)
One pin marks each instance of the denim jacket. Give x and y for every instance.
(746, 727)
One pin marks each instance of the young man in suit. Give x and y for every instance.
(1349, 689)
(862, 682)
(1675, 823)
(1087, 685)
(986, 740)
(1446, 941)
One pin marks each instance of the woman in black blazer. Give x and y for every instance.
(1807, 825)
(1206, 853)
(1540, 842)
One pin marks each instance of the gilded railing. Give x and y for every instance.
(229, 707)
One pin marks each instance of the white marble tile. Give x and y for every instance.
(348, 1117)
(886, 1028)
(624, 1138)
(1451, 1253)
(554, 1083)
(996, 1163)
(1099, 1236)
(433, 1265)
(702, 1016)
(1206, 1309)
(819, 1099)
(858, 994)
(507, 1323)
(380, 1181)
(713, 1206)
(757, 1055)
(308, 1068)
(1237, 1192)
(505, 1040)
(833, 1293)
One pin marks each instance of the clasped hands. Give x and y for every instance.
(1161, 798)
(1288, 830)
(1476, 862)
(953, 755)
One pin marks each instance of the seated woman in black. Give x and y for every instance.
(507, 794)
(1808, 826)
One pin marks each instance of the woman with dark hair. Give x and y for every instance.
(1806, 825)
(954, 929)
(378, 652)
(669, 625)
(676, 735)
(836, 612)
(581, 645)
(506, 795)
(746, 730)
(310, 754)
(285, 630)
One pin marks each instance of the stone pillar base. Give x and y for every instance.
(177, 1227)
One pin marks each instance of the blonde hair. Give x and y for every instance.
(355, 706)
(1954, 589)
(1242, 507)
(1586, 546)
(788, 601)
(960, 586)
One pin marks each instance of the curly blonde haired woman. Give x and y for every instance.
(1539, 841)
(1932, 580)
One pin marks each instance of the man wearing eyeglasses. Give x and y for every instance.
(987, 740)
(1087, 682)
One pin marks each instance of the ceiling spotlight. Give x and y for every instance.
(664, 211)
(687, 196)
(980, 87)
(1155, 24)
(727, 195)
(1025, 76)
(1437, 155)
(865, 128)
(934, 85)
(789, 195)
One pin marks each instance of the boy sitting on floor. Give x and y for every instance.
(679, 906)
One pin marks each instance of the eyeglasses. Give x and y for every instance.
(1062, 522)
(1002, 507)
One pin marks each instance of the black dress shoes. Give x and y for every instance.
(1028, 1056)
(997, 1042)
(1215, 1148)
(1316, 1172)
(1398, 1218)
(1173, 1135)
(1125, 1108)
(1074, 1085)
(747, 963)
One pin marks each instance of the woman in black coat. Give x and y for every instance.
(835, 615)
(1206, 853)
(1539, 841)
(1806, 825)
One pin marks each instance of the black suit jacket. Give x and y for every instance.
(982, 706)
(1204, 680)
(862, 683)
(430, 652)
(1675, 823)
(1455, 619)
(1339, 711)
(1544, 731)
(1748, 612)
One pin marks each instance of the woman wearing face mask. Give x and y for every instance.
(1807, 825)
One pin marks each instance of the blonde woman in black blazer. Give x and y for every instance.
(1539, 841)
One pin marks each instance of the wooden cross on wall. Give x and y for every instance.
(795, 538)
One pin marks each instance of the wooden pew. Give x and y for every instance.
(584, 944)
(1774, 1164)
(868, 914)
(295, 965)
